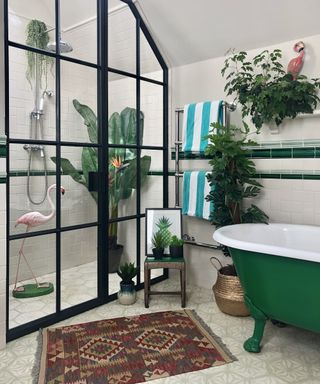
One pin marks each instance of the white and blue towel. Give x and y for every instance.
(196, 124)
(195, 188)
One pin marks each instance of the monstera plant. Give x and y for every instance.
(122, 165)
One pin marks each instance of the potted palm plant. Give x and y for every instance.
(122, 166)
(127, 294)
(232, 181)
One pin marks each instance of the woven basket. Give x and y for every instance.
(228, 292)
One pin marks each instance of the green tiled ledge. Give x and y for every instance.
(263, 153)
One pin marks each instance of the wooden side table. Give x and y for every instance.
(166, 262)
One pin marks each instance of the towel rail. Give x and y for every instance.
(177, 144)
(227, 107)
(190, 240)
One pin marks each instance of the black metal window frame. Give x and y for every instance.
(103, 146)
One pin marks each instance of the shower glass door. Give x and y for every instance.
(86, 123)
(53, 218)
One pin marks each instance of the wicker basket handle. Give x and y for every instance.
(216, 259)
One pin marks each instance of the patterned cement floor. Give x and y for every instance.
(289, 355)
(78, 284)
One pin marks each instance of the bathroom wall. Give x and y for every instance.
(289, 201)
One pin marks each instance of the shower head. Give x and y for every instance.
(64, 46)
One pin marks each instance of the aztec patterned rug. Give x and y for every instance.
(129, 350)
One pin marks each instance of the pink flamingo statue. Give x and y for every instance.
(295, 64)
(34, 219)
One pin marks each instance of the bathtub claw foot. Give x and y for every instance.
(253, 343)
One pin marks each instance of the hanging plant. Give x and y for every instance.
(38, 37)
(265, 91)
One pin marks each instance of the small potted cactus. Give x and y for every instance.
(127, 294)
(158, 243)
(176, 247)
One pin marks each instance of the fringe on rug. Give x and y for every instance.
(216, 338)
(37, 359)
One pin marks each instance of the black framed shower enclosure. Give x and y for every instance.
(58, 145)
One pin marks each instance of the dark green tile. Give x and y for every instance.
(311, 177)
(3, 150)
(307, 152)
(281, 153)
(261, 153)
(317, 151)
(269, 175)
(292, 176)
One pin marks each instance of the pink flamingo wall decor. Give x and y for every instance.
(34, 219)
(295, 64)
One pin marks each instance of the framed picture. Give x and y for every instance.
(167, 221)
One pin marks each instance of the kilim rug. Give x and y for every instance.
(129, 350)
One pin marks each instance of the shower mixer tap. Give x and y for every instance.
(34, 148)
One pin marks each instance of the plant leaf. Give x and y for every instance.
(90, 119)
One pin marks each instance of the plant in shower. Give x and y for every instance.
(37, 64)
(265, 91)
(122, 162)
(232, 177)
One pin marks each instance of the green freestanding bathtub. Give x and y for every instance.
(279, 269)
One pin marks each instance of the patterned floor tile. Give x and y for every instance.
(289, 355)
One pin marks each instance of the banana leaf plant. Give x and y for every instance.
(122, 164)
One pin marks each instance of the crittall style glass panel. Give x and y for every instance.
(86, 115)
(78, 266)
(32, 270)
(79, 121)
(152, 107)
(32, 96)
(78, 35)
(150, 66)
(121, 37)
(32, 22)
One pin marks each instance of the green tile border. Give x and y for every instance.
(278, 175)
(263, 153)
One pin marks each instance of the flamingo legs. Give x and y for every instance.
(20, 253)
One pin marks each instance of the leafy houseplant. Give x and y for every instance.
(37, 65)
(265, 91)
(127, 293)
(122, 166)
(159, 243)
(232, 181)
(232, 178)
(176, 247)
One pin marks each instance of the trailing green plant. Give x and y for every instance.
(127, 271)
(122, 162)
(37, 64)
(265, 91)
(176, 242)
(158, 240)
(232, 178)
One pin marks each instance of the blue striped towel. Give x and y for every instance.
(195, 188)
(196, 124)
